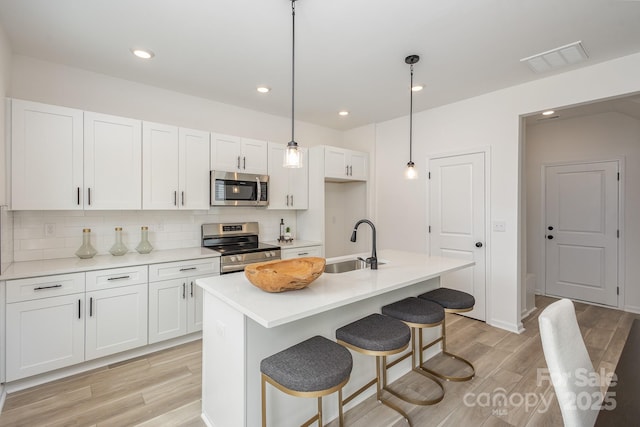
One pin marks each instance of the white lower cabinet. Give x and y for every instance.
(44, 324)
(175, 304)
(116, 320)
(301, 252)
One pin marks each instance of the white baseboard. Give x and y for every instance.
(526, 313)
(516, 328)
(36, 380)
(632, 309)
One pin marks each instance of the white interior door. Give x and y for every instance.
(581, 230)
(457, 221)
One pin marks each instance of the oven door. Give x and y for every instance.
(239, 189)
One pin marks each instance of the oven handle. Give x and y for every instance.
(259, 191)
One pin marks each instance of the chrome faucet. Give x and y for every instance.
(373, 260)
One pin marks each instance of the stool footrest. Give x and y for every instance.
(452, 377)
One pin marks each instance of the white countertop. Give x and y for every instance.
(19, 270)
(329, 291)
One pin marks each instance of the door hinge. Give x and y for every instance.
(429, 229)
(618, 176)
(617, 290)
(618, 234)
(429, 175)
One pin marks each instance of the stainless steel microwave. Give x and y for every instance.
(239, 189)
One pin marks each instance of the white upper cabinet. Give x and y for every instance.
(175, 167)
(345, 165)
(235, 154)
(46, 157)
(288, 187)
(194, 169)
(160, 166)
(112, 162)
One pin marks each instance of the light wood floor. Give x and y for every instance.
(163, 389)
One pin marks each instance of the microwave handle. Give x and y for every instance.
(259, 190)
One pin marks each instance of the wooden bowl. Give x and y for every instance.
(285, 275)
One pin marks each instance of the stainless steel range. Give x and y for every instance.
(238, 243)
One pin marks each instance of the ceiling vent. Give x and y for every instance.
(553, 59)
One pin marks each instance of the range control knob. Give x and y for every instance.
(233, 258)
(267, 254)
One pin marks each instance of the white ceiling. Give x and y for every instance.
(350, 53)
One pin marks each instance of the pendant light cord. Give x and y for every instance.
(293, 66)
(411, 115)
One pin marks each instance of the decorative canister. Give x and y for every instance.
(118, 247)
(144, 247)
(86, 250)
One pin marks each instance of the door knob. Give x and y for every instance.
(550, 237)
(478, 244)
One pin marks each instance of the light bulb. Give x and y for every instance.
(410, 172)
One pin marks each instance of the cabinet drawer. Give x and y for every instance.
(301, 252)
(44, 287)
(176, 270)
(116, 277)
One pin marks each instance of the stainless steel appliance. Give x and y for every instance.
(239, 189)
(238, 243)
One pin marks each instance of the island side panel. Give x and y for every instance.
(223, 364)
(261, 342)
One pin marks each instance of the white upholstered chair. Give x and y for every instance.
(569, 365)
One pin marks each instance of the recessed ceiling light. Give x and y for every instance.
(417, 88)
(263, 89)
(143, 53)
(548, 113)
(343, 113)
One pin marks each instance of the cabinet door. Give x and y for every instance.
(254, 156)
(116, 320)
(46, 157)
(299, 184)
(335, 163)
(112, 162)
(279, 196)
(225, 153)
(358, 166)
(194, 169)
(43, 335)
(159, 166)
(167, 309)
(194, 306)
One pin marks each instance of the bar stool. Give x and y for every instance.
(417, 314)
(379, 336)
(453, 301)
(313, 368)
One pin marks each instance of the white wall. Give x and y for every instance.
(6, 218)
(490, 120)
(596, 137)
(56, 84)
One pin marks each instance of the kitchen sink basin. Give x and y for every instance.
(348, 265)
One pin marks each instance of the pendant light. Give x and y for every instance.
(293, 154)
(411, 172)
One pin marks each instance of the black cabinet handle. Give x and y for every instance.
(79, 314)
(478, 244)
(184, 291)
(89, 195)
(39, 288)
(78, 196)
(90, 307)
(550, 237)
(192, 289)
(189, 268)
(183, 198)
(119, 278)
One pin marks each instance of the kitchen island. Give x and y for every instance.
(243, 325)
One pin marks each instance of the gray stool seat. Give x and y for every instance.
(312, 365)
(450, 299)
(375, 333)
(415, 310)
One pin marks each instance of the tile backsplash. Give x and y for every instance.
(39, 235)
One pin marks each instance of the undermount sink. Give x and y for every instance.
(345, 266)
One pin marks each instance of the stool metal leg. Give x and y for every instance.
(416, 368)
(382, 385)
(443, 339)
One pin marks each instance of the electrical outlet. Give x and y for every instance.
(499, 226)
(49, 230)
